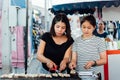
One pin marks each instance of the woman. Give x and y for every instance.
(55, 46)
(89, 51)
(100, 32)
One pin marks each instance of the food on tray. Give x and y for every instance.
(73, 71)
(19, 75)
(54, 74)
(31, 75)
(66, 75)
(63, 75)
(41, 75)
(48, 76)
(6, 76)
(60, 74)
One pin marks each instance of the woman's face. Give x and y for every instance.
(101, 26)
(60, 28)
(87, 28)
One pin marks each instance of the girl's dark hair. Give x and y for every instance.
(63, 18)
(89, 18)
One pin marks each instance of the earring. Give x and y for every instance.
(65, 33)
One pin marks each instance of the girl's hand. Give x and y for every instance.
(89, 64)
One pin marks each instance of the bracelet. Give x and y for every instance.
(95, 64)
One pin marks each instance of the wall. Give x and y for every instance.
(112, 13)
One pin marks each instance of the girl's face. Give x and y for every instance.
(60, 28)
(87, 28)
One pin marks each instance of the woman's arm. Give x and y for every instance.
(40, 52)
(102, 59)
(73, 61)
(66, 59)
(50, 64)
(98, 62)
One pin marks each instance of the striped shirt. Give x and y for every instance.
(87, 50)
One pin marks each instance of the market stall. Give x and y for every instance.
(91, 8)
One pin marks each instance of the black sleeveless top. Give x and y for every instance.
(54, 51)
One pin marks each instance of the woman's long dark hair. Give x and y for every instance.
(63, 18)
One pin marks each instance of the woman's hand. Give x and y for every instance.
(63, 65)
(72, 65)
(108, 39)
(89, 64)
(50, 64)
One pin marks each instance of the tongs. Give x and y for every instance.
(55, 68)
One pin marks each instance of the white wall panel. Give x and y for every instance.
(114, 67)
